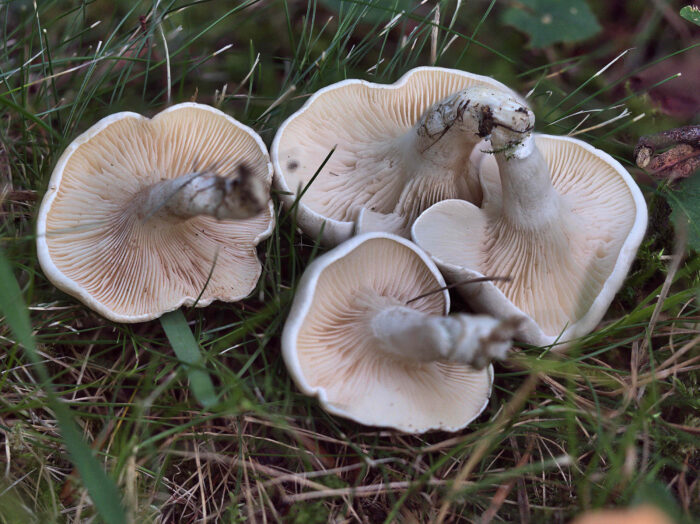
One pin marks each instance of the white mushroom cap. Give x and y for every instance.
(392, 152)
(559, 217)
(120, 225)
(355, 339)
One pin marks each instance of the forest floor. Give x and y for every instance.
(614, 423)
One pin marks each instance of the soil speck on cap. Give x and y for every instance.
(486, 122)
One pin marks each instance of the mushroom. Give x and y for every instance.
(562, 219)
(137, 217)
(367, 334)
(390, 149)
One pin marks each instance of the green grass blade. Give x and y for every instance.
(26, 114)
(101, 488)
(12, 307)
(187, 351)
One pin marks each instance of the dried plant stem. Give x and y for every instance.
(514, 405)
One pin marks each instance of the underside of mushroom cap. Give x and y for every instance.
(564, 277)
(129, 266)
(329, 354)
(371, 165)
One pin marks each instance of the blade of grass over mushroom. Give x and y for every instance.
(188, 352)
(211, 272)
(307, 186)
(459, 283)
(101, 488)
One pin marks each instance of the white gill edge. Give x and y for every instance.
(601, 303)
(70, 286)
(627, 252)
(312, 220)
(505, 309)
(301, 304)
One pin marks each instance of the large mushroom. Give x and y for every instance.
(563, 220)
(394, 150)
(137, 219)
(367, 334)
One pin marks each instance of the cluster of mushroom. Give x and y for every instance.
(537, 233)
(145, 215)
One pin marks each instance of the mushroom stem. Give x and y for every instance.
(442, 136)
(473, 340)
(529, 198)
(204, 193)
(449, 129)
(443, 140)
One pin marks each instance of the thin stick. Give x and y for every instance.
(455, 284)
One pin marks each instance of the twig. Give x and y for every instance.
(679, 162)
(461, 282)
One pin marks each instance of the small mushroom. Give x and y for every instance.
(367, 334)
(137, 217)
(394, 150)
(562, 219)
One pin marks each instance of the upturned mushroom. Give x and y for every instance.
(562, 219)
(137, 219)
(368, 335)
(394, 150)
